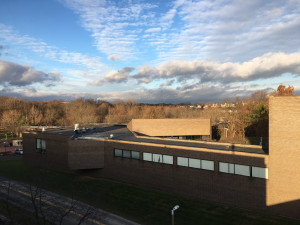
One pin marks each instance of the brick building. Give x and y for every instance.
(239, 175)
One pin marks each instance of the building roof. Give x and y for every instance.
(122, 133)
(170, 127)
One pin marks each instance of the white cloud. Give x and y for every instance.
(167, 19)
(203, 93)
(113, 58)
(263, 67)
(113, 25)
(167, 83)
(187, 30)
(115, 76)
(188, 44)
(229, 30)
(23, 75)
(153, 30)
(90, 65)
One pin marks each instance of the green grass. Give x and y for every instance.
(144, 206)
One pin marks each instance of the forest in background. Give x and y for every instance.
(236, 121)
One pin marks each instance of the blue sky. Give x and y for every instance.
(150, 51)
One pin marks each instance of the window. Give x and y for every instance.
(181, 161)
(147, 156)
(118, 152)
(126, 154)
(208, 165)
(40, 145)
(167, 159)
(223, 167)
(135, 155)
(231, 168)
(158, 158)
(226, 167)
(259, 172)
(196, 163)
(242, 170)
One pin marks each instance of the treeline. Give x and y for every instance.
(247, 117)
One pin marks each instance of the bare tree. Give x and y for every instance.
(34, 116)
(7, 207)
(46, 207)
(11, 121)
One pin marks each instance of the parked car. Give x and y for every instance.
(19, 151)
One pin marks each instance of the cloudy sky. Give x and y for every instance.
(151, 51)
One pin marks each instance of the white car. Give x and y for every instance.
(19, 151)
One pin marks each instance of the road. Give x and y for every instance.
(56, 207)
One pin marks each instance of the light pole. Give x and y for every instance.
(172, 212)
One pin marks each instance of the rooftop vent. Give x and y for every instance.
(76, 126)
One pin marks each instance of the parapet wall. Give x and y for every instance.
(170, 127)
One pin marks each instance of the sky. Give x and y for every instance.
(149, 51)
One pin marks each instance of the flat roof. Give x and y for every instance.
(122, 133)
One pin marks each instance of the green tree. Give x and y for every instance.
(260, 112)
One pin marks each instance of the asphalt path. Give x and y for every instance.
(54, 207)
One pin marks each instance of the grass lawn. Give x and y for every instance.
(144, 206)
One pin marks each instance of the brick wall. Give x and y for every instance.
(85, 154)
(247, 192)
(171, 127)
(284, 149)
(56, 154)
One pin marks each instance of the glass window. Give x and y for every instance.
(43, 144)
(135, 155)
(260, 172)
(38, 143)
(167, 159)
(182, 161)
(226, 167)
(157, 158)
(231, 168)
(195, 163)
(223, 167)
(207, 165)
(126, 154)
(118, 152)
(147, 156)
(242, 170)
